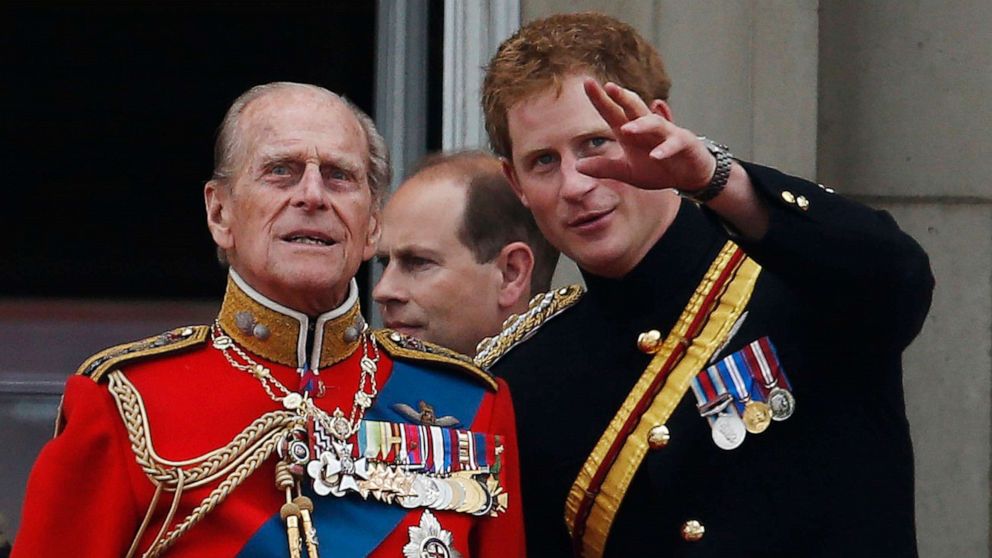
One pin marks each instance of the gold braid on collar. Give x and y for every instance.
(517, 329)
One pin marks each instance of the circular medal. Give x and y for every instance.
(487, 502)
(474, 495)
(728, 432)
(445, 493)
(457, 494)
(757, 416)
(432, 493)
(418, 488)
(782, 403)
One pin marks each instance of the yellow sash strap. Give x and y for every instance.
(597, 492)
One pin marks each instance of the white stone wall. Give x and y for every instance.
(905, 118)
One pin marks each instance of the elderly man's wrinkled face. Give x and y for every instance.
(298, 218)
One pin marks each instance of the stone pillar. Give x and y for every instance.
(904, 124)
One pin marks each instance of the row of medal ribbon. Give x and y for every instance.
(406, 464)
(744, 392)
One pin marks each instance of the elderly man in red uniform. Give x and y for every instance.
(284, 428)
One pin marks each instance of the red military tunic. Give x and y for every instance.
(177, 397)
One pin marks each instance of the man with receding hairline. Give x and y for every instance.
(460, 254)
(287, 427)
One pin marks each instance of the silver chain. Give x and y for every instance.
(338, 426)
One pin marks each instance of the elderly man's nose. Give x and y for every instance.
(311, 193)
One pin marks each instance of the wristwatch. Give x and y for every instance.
(720, 176)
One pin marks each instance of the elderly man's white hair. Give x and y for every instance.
(228, 142)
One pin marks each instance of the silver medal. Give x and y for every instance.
(782, 403)
(431, 493)
(729, 431)
(418, 488)
(445, 494)
(457, 494)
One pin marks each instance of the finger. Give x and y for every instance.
(649, 125)
(631, 103)
(611, 112)
(672, 145)
(604, 167)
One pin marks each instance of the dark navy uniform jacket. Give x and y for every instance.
(842, 292)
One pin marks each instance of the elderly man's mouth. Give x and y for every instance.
(309, 240)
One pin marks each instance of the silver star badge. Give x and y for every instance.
(335, 472)
(429, 540)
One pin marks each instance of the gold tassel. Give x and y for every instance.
(309, 533)
(290, 512)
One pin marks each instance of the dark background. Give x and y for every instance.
(108, 122)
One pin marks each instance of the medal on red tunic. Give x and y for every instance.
(408, 464)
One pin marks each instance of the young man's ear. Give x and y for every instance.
(216, 197)
(511, 177)
(516, 265)
(661, 108)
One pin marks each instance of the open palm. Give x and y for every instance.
(657, 154)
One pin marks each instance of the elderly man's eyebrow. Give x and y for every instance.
(346, 164)
(281, 156)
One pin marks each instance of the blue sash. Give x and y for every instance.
(352, 527)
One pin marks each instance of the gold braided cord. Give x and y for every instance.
(144, 522)
(172, 509)
(251, 463)
(207, 467)
(517, 329)
(237, 460)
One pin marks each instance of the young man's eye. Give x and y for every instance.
(598, 142)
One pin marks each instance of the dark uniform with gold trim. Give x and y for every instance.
(167, 446)
(841, 293)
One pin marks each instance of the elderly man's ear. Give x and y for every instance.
(373, 234)
(516, 264)
(215, 198)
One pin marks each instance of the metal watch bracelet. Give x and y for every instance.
(720, 175)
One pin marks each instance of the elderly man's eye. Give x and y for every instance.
(338, 174)
(280, 170)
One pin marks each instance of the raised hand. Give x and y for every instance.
(657, 154)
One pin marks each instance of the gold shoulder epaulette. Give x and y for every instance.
(398, 345)
(171, 341)
(517, 329)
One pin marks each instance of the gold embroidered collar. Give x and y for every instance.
(280, 334)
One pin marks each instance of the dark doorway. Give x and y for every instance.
(109, 115)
